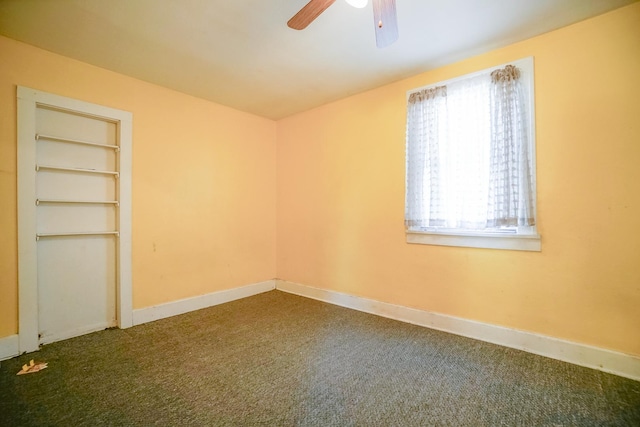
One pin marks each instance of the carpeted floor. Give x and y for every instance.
(280, 360)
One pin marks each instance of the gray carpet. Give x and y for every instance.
(280, 360)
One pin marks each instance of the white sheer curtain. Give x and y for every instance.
(468, 160)
(426, 126)
(510, 185)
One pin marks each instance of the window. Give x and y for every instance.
(471, 161)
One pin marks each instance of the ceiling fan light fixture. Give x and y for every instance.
(357, 3)
(385, 19)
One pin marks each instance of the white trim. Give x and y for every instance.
(9, 347)
(174, 308)
(624, 365)
(124, 309)
(28, 101)
(516, 242)
(27, 248)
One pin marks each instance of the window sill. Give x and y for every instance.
(514, 242)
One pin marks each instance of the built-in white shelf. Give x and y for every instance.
(76, 141)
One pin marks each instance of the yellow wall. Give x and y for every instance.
(203, 181)
(205, 201)
(341, 197)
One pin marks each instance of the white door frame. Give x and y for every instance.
(28, 101)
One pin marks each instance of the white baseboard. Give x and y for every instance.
(9, 347)
(149, 314)
(624, 365)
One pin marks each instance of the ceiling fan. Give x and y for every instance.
(384, 17)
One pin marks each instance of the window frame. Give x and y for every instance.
(522, 240)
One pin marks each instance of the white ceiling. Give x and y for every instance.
(240, 53)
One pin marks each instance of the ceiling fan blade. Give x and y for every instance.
(385, 21)
(307, 14)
